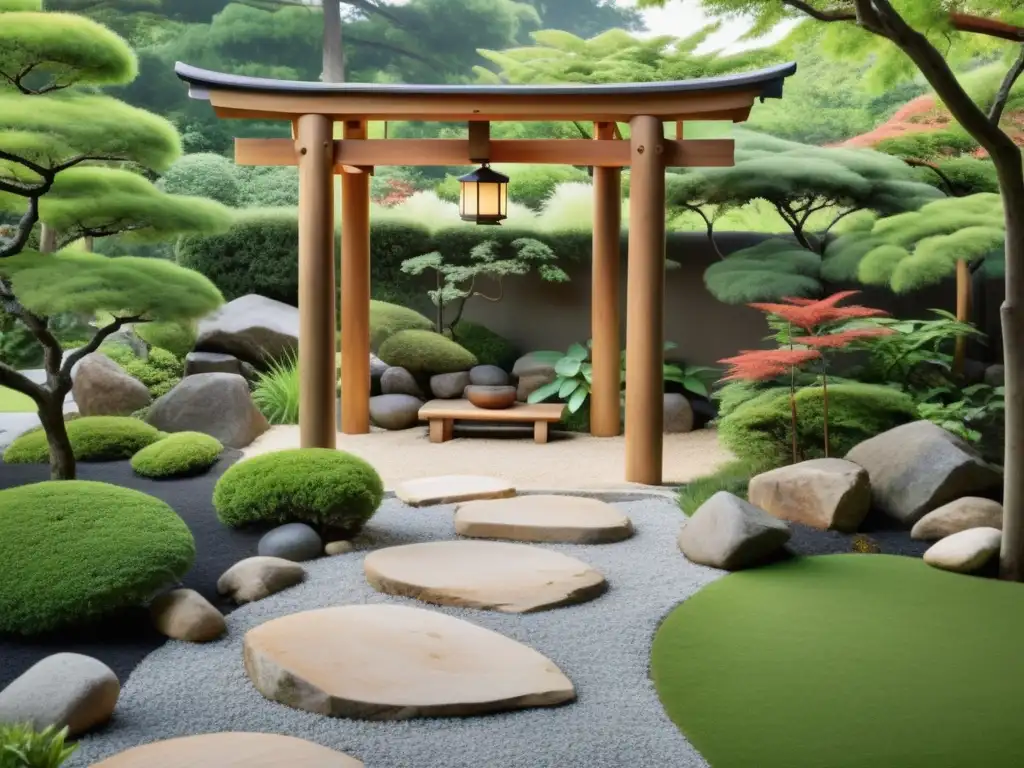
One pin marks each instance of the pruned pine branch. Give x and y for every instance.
(96, 340)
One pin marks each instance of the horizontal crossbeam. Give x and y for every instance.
(363, 153)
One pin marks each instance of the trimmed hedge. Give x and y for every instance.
(93, 438)
(75, 550)
(182, 454)
(388, 319)
(425, 352)
(320, 486)
(488, 347)
(759, 429)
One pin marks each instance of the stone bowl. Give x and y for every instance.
(493, 398)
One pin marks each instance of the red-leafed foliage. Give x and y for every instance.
(397, 192)
(761, 364)
(809, 315)
(841, 339)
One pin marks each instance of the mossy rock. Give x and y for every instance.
(327, 488)
(182, 454)
(388, 319)
(75, 550)
(93, 438)
(488, 347)
(426, 353)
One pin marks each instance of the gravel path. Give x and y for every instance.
(568, 461)
(603, 646)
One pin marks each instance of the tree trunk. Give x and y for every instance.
(1011, 183)
(964, 288)
(47, 239)
(334, 51)
(62, 458)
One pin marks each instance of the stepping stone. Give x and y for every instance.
(545, 518)
(230, 750)
(451, 489)
(498, 576)
(392, 662)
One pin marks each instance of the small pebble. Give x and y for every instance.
(338, 548)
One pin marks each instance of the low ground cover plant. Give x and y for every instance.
(76, 550)
(277, 391)
(93, 438)
(331, 490)
(160, 371)
(182, 454)
(22, 746)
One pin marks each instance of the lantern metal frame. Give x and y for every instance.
(484, 175)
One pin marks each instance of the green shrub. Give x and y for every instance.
(488, 347)
(176, 338)
(22, 746)
(759, 430)
(181, 454)
(160, 372)
(93, 438)
(732, 477)
(277, 392)
(425, 352)
(323, 487)
(203, 174)
(75, 550)
(388, 319)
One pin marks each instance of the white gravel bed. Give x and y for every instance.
(603, 646)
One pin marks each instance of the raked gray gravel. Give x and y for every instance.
(603, 646)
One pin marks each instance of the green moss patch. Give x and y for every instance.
(324, 487)
(846, 661)
(74, 550)
(182, 454)
(93, 438)
(425, 352)
(388, 319)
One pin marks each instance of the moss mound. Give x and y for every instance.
(182, 454)
(388, 319)
(759, 429)
(846, 661)
(488, 347)
(425, 352)
(93, 438)
(176, 338)
(74, 550)
(320, 486)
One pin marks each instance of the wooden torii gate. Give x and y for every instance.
(313, 107)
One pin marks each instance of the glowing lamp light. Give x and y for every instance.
(484, 196)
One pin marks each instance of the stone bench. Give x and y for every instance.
(441, 414)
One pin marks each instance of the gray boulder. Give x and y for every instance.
(257, 577)
(727, 532)
(488, 376)
(832, 494)
(995, 375)
(960, 515)
(211, 362)
(65, 689)
(918, 467)
(398, 381)
(377, 369)
(678, 413)
(126, 337)
(395, 411)
(102, 388)
(253, 328)
(449, 386)
(531, 373)
(218, 404)
(292, 541)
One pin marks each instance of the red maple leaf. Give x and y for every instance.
(841, 338)
(760, 364)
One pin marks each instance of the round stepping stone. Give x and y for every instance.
(545, 518)
(511, 578)
(230, 750)
(450, 489)
(392, 662)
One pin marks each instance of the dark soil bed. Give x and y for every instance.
(877, 529)
(122, 641)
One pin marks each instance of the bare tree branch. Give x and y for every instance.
(12, 246)
(19, 382)
(829, 14)
(995, 112)
(95, 341)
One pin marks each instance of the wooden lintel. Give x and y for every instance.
(368, 153)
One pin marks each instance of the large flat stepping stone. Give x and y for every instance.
(230, 750)
(392, 662)
(544, 518)
(451, 489)
(498, 576)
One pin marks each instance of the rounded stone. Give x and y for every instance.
(491, 575)
(543, 518)
(338, 548)
(230, 750)
(678, 413)
(184, 614)
(395, 411)
(293, 541)
(488, 376)
(398, 381)
(492, 398)
(394, 662)
(449, 386)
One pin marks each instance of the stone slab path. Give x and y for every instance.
(231, 750)
(449, 489)
(546, 518)
(393, 662)
(498, 576)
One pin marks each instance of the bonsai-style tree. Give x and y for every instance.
(457, 283)
(811, 189)
(66, 154)
(908, 37)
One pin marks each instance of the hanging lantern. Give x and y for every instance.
(484, 196)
